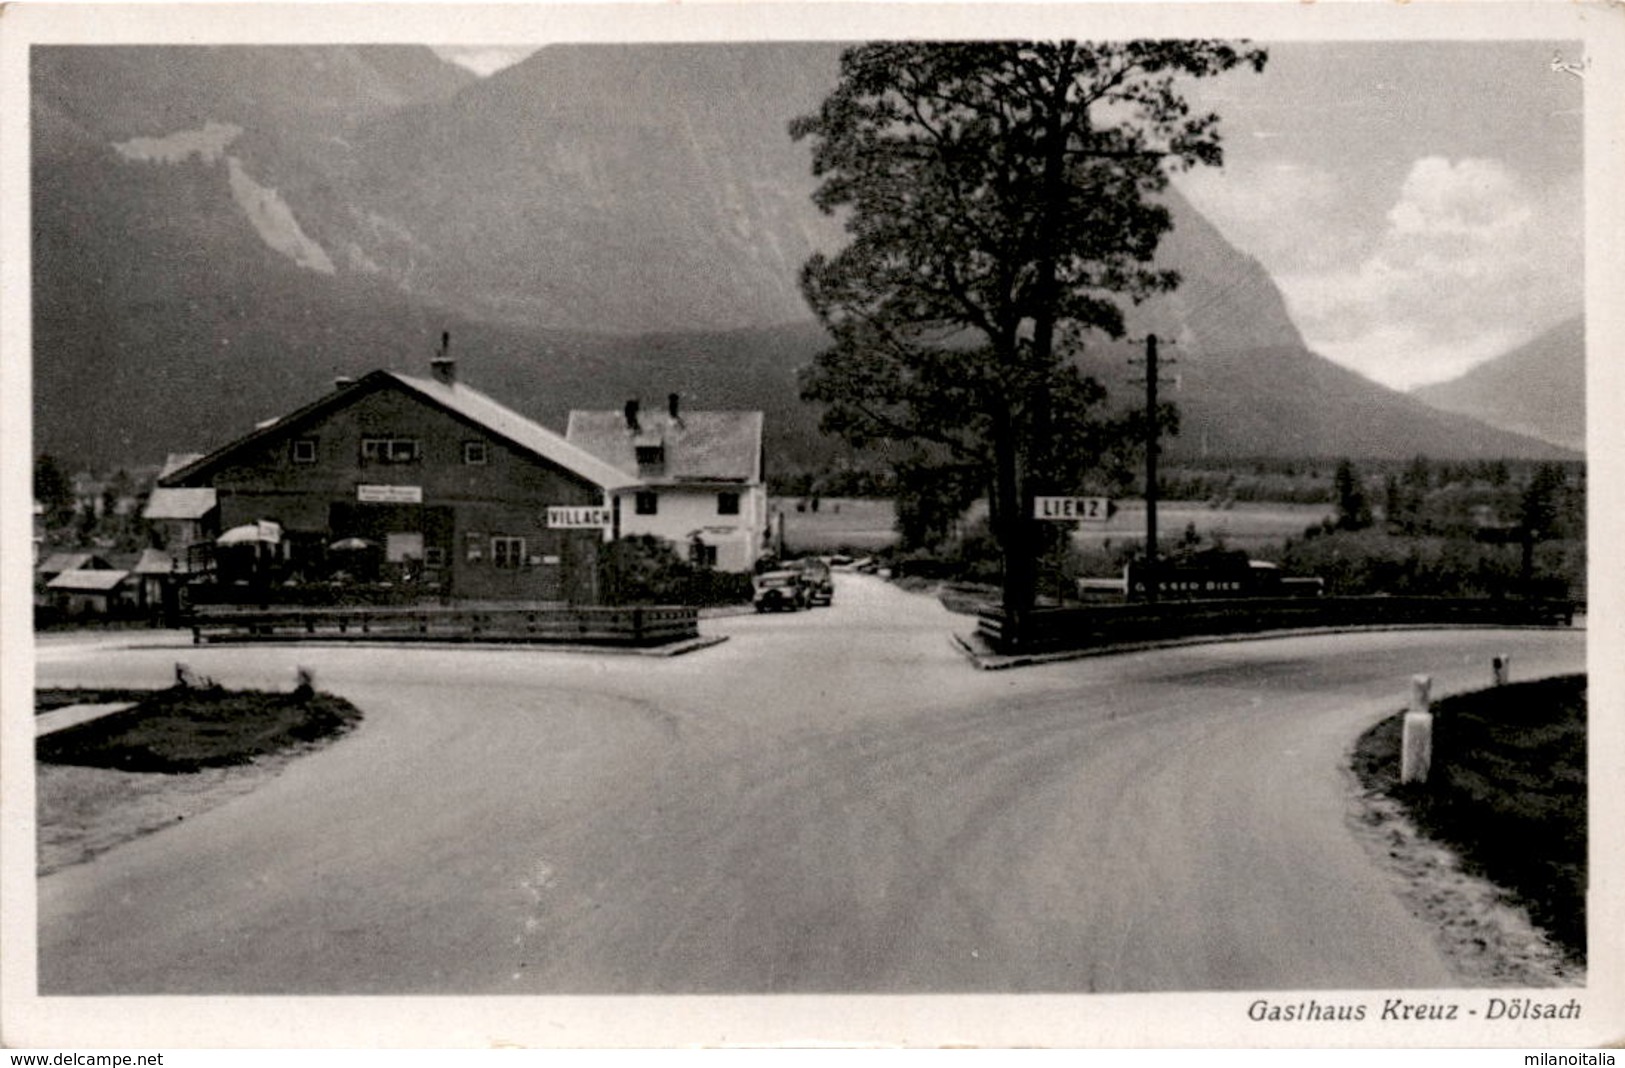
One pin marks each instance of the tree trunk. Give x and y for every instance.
(1013, 526)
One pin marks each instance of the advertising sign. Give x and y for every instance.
(1084, 509)
(389, 494)
(577, 517)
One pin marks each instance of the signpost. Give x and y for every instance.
(1075, 509)
(576, 517)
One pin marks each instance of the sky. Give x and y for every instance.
(1420, 204)
(484, 60)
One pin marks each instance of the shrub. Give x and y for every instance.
(644, 569)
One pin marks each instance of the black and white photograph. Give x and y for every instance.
(650, 525)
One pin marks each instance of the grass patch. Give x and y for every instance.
(186, 730)
(1507, 792)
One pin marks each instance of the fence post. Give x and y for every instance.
(1502, 668)
(1416, 745)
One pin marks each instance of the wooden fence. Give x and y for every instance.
(1092, 626)
(634, 626)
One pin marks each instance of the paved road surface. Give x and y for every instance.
(831, 801)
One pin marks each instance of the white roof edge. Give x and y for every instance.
(523, 431)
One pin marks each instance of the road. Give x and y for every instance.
(831, 801)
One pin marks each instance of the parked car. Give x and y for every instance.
(816, 577)
(782, 590)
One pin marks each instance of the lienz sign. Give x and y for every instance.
(568, 517)
(1086, 509)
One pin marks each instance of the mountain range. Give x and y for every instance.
(1537, 389)
(219, 231)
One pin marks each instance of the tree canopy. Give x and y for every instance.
(1000, 201)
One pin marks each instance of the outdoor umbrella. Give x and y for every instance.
(251, 533)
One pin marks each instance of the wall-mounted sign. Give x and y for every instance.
(389, 494)
(569, 517)
(1086, 509)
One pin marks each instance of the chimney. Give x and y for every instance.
(443, 366)
(671, 405)
(632, 416)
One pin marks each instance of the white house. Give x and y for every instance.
(700, 479)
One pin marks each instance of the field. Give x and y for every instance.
(841, 524)
(1244, 525)
(866, 525)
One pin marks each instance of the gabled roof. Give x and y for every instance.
(59, 562)
(179, 502)
(460, 400)
(699, 446)
(531, 436)
(154, 562)
(88, 581)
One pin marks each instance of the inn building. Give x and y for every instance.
(422, 485)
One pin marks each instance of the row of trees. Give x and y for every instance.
(1544, 502)
(108, 513)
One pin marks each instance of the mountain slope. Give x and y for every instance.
(1537, 389)
(219, 232)
(619, 189)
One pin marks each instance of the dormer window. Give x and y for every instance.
(651, 455)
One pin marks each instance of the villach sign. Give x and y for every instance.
(578, 518)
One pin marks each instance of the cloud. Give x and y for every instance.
(1471, 262)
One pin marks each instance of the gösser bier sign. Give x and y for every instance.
(1086, 509)
(567, 517)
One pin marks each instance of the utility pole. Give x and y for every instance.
(1151, 468)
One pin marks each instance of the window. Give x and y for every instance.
(434, 556)
(727, 504)
(651, 455)
(474, 547)
(401, 546)
(474, 452)
(701, 554)
(304, 450)
(389, 450)
(507, 552)
(648, 503)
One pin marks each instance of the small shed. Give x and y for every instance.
(90, 592)
(184, 516)
(156, 572)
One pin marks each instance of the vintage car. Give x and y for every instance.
(816, 577)
(782, 590)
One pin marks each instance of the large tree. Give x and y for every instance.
(1001, 202)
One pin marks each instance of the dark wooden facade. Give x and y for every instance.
(378, 483)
